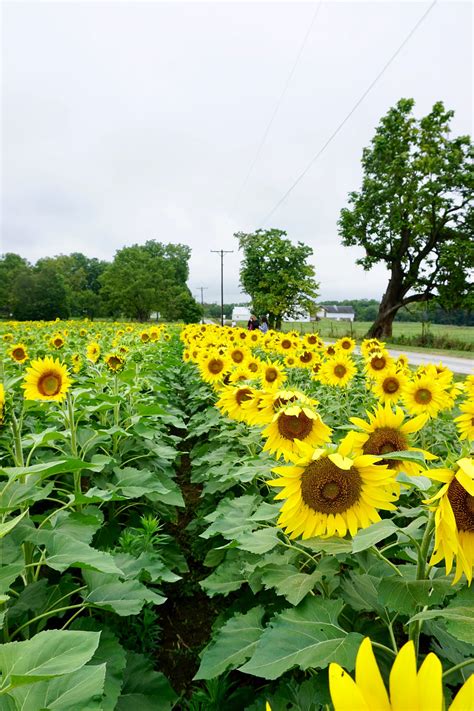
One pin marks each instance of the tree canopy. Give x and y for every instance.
(414, 211)
(276, 275)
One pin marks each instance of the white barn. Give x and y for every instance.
(240, 313)
(336, 313)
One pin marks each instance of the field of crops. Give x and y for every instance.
(212, 519)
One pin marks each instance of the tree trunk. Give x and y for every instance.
(392, 300)
(382, 326)
(277, 323)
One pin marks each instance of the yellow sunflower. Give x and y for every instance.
(93, 352)
(238, 355)
(338, 370)
(213, 366)
(424, 395)
(410, 690)
(291, 425)
(83, 332)
(378, 363)
(313, 340)
(7, 337)
(389, 386)
(465, 422)
(272, 375)
(327, 492)
(454, 518)
(57, 341)
(114, 361)
(76, 362)
(469, 385)
(232, 400)
(371, 345)
(18, 352)
(46, 379)
(402, 362)
(346, 344)
(144, 336)
(306, 358)
(386, 431)
(262, 410)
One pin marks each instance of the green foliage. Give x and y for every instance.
(276, 274)
(414, 211)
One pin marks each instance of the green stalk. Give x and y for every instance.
(414, 628)
(71, 421)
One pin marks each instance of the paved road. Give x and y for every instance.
(465, 366)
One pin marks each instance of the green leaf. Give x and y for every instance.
(458, 616)
(406, 456)
(123, 597)
(233, 644)
(260, 541)
(306, 636)
(144, 689)
(65, 552)
(402, 595)
(289, 582)
(47, 654)
(70, 692)
(332, 546)
(361, 593)
(59, 466)
(227, 577)
(368, 537)
(10, 525)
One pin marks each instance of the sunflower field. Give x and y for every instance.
(207, 518)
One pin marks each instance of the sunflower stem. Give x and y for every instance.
(72, 428)
(377, 645)
(414, 629)
(457, 667)
(386, 560)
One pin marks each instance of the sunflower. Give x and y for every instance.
(83, 332)
(465, 422)
(338, 370)
(76, 362)
(254, 365)
(239, 374)
(114, 361)
(410, 690)
(346, 344)
(371, 345)
(469, 385)
(454, 518)
(306, 358)
(238, 355)
(329, 493)
(386, 431)
(378, 363)
(144, 336)
(262, 410)
(18, 352)
(57, 341)
(272, 375)
(7, 337)
(93, 352)
(291, 425)
(46, 379)
(402, 362)
(213, 366)
(287, 343)
(232, 400)
(313, 341)
(389, 386)
(424, 395)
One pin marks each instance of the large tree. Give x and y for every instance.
(150, 277)
(414, 212)
(12, 268)
(276, 275)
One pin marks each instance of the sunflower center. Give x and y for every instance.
(294, 426)
(384, 440)
(242, 395)
(253, 367)
(286, 343)
(312, 340)
(390, 385)
(327, 489)
(378, 363)
(215, 366)
(271, 374)
(49, 384)
(346, 345)
(114, 362)
(331, 350)
(340, 370)
(306, 357)
(237, 356)
(423, 396)
(462, 504)
(18, 353)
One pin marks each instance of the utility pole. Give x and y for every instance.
(222, 252)
(202, 288)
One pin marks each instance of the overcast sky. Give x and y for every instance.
(128, 121)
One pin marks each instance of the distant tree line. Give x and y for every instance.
(367, 310)
(140, 281)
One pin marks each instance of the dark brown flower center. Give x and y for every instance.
(294, 426)
(423, 396)
(384, 440)
(312, 340)
(330, 350)
(286, 344)
(306, 357)
(49, 384)
(340, 370)
(462, 504)
(378, 363)
(271, 374)
(58, 342)
(114, 362)
(253, 367)
(282, 401)
(327, 489)
(215, 366)
(346, 345)
(237, 356)
(145, 337)
(18, 353)
(242, 395)
(390, 385)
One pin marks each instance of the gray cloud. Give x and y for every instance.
(129, 121)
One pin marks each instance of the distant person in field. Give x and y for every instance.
(253, 323)
(263, 324)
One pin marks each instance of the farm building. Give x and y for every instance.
(240, 313)
(336, 313)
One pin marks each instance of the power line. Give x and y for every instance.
(277, 106)
(356, 106)
(222, 252)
